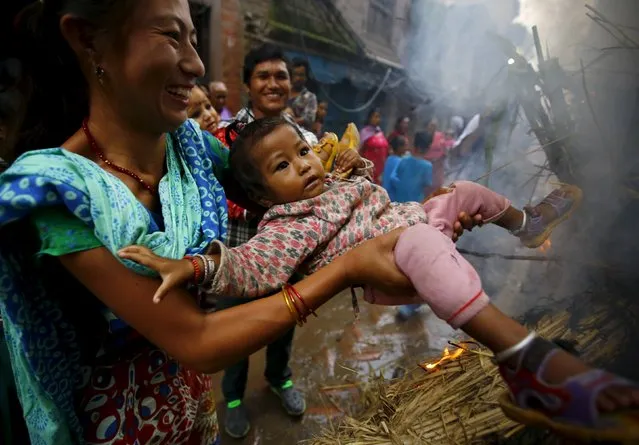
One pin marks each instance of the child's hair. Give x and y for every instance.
(397, 143)
(422, 141)
(242, 163)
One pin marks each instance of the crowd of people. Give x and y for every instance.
(113, 197)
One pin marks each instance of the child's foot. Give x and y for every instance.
(550, 212)
(553, 389)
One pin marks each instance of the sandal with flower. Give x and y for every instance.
(569, 409)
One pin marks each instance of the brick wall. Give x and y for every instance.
(231, 49)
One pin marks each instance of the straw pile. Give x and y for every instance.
(457, 402)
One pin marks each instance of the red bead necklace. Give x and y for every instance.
(100, 154)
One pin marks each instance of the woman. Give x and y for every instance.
(436, 154)
(374, 145)
(95, 360)
(401, 129)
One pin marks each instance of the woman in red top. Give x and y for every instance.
(374, 145)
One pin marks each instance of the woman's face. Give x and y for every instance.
(375, 119)
(202, 111)
(151, 64)
(403, 125)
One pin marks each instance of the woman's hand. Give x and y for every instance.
(464, 220)
(373, 263)
(174, 273)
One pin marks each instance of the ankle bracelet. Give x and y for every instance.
(508, 353)
(524, 220)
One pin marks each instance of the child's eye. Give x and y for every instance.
(281, 166)
(304, 151)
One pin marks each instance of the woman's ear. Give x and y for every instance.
(80, 35)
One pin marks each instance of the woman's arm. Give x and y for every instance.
(207, 343)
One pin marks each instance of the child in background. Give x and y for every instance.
(410, 180)
(399, 145)
(318, 125)
(313, 217)
(201, 110)
(413, 174)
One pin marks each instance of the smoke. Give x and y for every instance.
(454, 57)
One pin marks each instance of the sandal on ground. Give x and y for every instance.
(537, 229)
(570, 408)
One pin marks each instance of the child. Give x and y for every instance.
(398, 144)
(201, 110)
(318, 125)
(313, 217)
(413, 174)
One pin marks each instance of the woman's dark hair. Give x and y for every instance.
(58, 98)
(242, 163)
(370, 114)
(261, 54)
(399, 121)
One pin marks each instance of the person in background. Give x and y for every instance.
(266, 77)
(436, 154)
(318, 125)
(399, 145)
(373, 144)
(218, 94)
(302, 102)
(410, 180)
(201, 110)
(401, 128)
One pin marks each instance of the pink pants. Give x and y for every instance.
(442, 277)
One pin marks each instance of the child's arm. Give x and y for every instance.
(397, 174)
(256, 268)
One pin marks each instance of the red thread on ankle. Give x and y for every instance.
(465, 306)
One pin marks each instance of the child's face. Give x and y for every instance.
(202, 111)
(322, 109)
(375, 119)
(290, 169)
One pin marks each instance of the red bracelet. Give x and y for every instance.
(197, 272)
(297, 295)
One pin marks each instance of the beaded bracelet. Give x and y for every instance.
(197, 272)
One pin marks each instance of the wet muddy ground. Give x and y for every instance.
(332, 350)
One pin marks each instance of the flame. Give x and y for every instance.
(545, 247)
(446, 357)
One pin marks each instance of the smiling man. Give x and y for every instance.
(268, 83)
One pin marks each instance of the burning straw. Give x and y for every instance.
(453, 399)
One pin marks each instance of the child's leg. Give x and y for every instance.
(472, 198)
(560, 383)
(533, 225)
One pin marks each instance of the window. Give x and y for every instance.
(381, 14)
